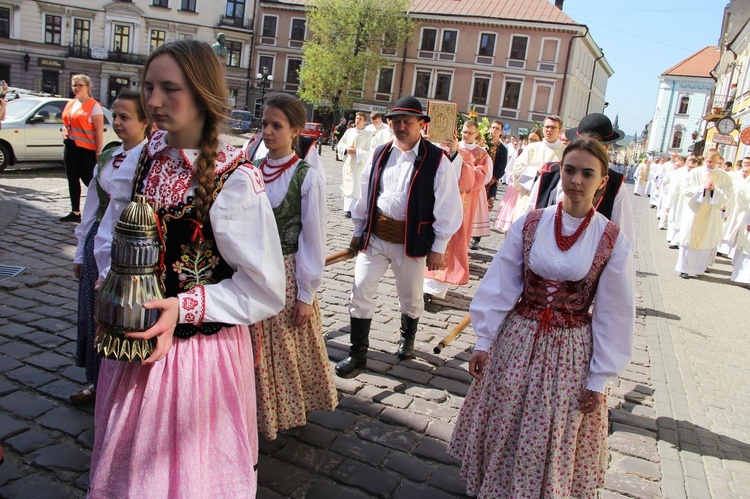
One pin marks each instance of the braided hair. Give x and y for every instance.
(205, 75)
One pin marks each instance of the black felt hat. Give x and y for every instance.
(596, 124)
(408, 106)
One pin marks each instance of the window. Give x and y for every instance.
(121, 42)
(481, 91)
(4, 22)
(53, 30)
(81, 33)
(684, 105)
(512, 94)
(390, 43)
(677, 140)
(385, 80)
(188, 5)
(449, 41)
(158, 38)
(269, 26)
(235, 9)
(298, 30)
(234, 53)
(549, 50)
(422, 85)
(265, 61)
(542, 97)
(487, 44)
(184, 36)
(518, 47)
(161, 3)
(429, 36)
(443, 86)
(292, 70)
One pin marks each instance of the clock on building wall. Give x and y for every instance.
(725, 125)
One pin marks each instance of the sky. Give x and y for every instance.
(642, 39)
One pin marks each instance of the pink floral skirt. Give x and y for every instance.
(519, 432)
(294, 375)
(182, 427)
(506, 209)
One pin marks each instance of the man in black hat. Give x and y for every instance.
(404, 219)
(613, 201)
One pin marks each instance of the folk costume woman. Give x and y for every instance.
(183, 422)
(293, 376)
(534, 423)
(130, 124)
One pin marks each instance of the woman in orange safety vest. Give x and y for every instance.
(83, 136)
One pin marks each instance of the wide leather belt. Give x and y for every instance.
(389, 230)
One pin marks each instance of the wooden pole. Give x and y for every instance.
(453, 334)
(341, 256)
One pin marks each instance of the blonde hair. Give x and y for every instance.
(205, 76)
(85, 79)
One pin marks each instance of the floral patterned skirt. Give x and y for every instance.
(293, 375)
(519, 432)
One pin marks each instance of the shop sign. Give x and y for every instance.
(358, 106)
(51, 63)
(723, 139)
(523, 131)
(745, 136)
(99, 53)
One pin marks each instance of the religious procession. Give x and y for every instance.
(456, 297)
(703, 204)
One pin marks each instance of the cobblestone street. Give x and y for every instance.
(680, 414)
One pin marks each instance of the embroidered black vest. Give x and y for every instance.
(550, 177)
(420, 201)
(183, 263)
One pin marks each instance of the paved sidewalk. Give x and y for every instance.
(388, 436)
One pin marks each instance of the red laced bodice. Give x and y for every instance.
(561, 303)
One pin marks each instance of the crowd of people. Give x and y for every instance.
(703, 204)
(239, 342)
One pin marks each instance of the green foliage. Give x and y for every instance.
(345, 46)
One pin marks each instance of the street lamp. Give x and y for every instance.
(264, 81)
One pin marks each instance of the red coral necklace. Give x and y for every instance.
(567, 242)
(273, 172)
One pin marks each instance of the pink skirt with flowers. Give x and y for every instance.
(182, 427)
(519, 432)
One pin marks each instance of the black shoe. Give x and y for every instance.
(409, 328)
(475, 244)
(348, 214)
(71, 217)
(427, 297)
(684, 275)
(357, 359)
(673, 246)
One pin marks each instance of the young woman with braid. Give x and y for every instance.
(293, 376)
(183, 423)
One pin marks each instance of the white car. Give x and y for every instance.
(32, 130)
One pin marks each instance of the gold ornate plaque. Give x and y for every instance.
(442, 120)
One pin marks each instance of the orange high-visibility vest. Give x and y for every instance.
(79, 128)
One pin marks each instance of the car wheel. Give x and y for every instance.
(4, 157)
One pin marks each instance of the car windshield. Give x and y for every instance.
(241, 115)
(16, 109)
(311, 126)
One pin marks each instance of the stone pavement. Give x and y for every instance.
(388, 436)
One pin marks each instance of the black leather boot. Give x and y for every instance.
(408, 333)
(360, 338)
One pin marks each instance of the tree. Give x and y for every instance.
(345, 46)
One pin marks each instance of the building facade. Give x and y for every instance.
(684, 91)
(517, 61)
(45, 42)
(731, 96)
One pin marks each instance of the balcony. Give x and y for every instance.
(103, 55)
(235, 22)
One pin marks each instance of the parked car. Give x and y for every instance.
(316, 131)
(240, 121)
(32, 130)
